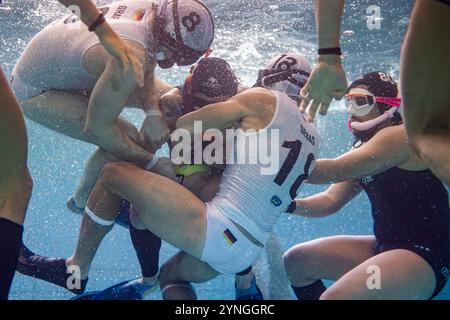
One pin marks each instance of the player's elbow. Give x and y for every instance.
(324, 172)
(185, 123)
(94, 131)
(331, 204)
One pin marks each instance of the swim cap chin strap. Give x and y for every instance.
(367, 125)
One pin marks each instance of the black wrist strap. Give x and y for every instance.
(100, 19)
(336, 50)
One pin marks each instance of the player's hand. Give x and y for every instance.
(327, 81)
(171, 98)
(154, 133)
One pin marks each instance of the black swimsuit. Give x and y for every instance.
(411, 211)
(447, 2)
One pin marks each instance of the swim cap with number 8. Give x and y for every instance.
(186, 28)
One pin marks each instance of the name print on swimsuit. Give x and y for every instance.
(307, 135)
(119, 12)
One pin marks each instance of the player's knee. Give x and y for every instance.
(27, 109)
(27, 185)
(331, 294)
(31, 110)
(111, 172)
(167, 272)
(16, 195)
(22, 186)
(336, 293)
(164, 273)
(297, 263)
(289, 261)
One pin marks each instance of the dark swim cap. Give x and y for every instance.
(211, 77)
(379, 83)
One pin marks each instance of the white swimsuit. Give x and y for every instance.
(53, 57)
(253, 200)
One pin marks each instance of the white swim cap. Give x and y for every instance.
(287, 73)
(184, 27)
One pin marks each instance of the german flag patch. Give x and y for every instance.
(139, 14)
(229, 237)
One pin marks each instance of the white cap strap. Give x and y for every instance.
(97, 219)
(152, 162)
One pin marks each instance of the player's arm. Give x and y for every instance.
(385, 150)
(128, 62)
(222, 115)
(106, 102)
(328, 80)
(329, 201)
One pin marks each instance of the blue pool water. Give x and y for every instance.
(249, 33)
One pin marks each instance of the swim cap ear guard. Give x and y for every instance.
(163, 63)
(287, 73)
(160, 56)
(275, 80)
(172, 38)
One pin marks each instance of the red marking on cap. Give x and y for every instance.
(208, 52)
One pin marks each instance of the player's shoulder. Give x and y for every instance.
(256, 97)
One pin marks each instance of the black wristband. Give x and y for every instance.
(336, 50)
(100, 19)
